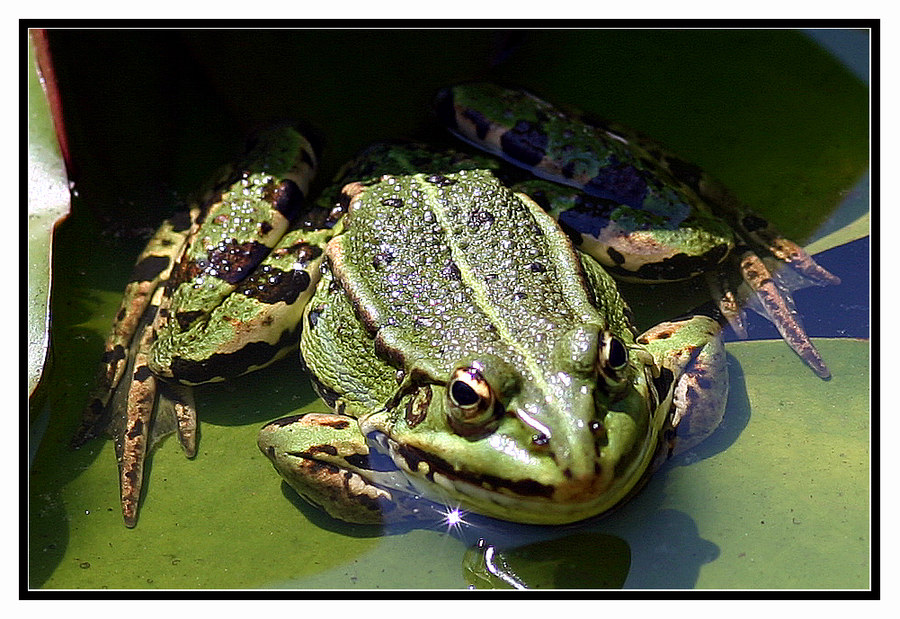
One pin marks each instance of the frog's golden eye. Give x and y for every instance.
(471, 401)
(613, 358)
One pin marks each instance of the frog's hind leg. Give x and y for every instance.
(143, 410)
(771, 292)
(152, 268)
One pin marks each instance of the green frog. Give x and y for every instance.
(472, 349)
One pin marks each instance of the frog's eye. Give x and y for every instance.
(470, 400)
(613, 358)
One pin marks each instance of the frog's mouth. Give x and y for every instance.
(526, 501)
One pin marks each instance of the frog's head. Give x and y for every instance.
(548, 441)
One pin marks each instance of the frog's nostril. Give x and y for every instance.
(597, 429)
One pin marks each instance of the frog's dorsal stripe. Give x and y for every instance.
(374, 309)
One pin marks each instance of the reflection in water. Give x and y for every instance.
(660, 551)
(578, 561)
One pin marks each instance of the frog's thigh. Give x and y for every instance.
(324, 457)
(253, 326)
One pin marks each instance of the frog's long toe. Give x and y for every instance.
(779, 307)
(132, 442)
(788, 252)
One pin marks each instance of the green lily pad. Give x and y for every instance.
(777, 498)
(802, 460)
(48, 203)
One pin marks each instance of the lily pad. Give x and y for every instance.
(48, 203)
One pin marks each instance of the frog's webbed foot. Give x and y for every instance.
(152, 268)
(142, 411)
(768, 281)
(767, 286)
(788, 252)
(125, 394)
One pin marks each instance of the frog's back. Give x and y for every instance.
(440, 267)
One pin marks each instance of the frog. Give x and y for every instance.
(472, 349)
(488, 366)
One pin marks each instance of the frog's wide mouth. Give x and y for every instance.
(525, 501)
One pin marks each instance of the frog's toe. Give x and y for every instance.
(778, 306)
(132, 441)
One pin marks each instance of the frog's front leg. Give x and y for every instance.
(326, 459)
(692, 376)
